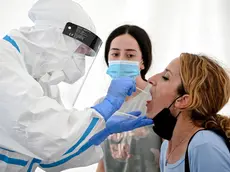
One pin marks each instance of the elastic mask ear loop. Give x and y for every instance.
(174, 101)
(178, 114)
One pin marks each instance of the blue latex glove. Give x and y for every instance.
(117, 92)
(119, 124)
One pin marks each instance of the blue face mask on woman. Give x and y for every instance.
(121, 68)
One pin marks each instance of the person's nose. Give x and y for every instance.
(152, 80)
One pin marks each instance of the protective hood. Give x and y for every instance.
(49, 53)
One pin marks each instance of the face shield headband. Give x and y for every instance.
(91, 42)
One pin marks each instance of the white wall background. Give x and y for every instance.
(175, 26)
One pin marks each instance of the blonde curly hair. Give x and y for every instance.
(208, 86)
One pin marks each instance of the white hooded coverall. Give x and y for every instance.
(35, 129)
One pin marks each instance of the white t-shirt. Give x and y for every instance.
(136, 150)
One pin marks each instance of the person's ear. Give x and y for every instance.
(142, 66)
(182, 102)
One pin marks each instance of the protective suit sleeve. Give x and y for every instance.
(76, 159)
(38, 123)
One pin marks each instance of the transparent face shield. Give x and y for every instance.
(84, 56)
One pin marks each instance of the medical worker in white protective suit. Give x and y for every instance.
(35, 129)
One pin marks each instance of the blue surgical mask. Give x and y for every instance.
(120, 68)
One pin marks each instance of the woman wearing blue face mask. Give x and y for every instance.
(128, 52)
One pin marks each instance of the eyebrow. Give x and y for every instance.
(130, 50)
(167, 70)
(125, 49)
